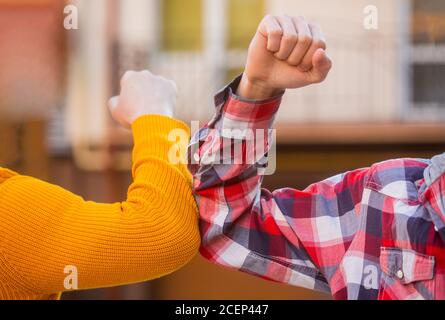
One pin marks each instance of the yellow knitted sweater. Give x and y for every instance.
(45, 230)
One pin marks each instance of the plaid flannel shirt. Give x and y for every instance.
(372, 233)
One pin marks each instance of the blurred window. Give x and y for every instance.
(428, 38)
(182, 25)
(429, 21)
(243, 19)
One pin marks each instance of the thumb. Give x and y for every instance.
(322, 65)
(113, 105)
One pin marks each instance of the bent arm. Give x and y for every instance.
(290, 236)
(153, 233)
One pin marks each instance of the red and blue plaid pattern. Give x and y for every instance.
(372, 233)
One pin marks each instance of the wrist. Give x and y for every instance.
(256, 90)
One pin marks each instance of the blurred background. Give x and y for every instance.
(385, 98)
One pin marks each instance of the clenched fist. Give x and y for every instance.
(286, 53)
(143, 93)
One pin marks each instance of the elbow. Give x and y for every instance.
(186, 248)
(180, 241)
(168, 237)
(187, 245)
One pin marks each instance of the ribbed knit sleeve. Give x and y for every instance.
(45, 229)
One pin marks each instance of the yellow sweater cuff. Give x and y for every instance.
(151, 138)
(155, 126)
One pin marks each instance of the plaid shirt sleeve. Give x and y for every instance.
(433, 192)
(288, 236)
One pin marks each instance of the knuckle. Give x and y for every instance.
(284, 17)
(293, 62)
(157, 79)
(290, 38)
(276, 33)
(163, 80)
(319, 43)
(127, 76)
(146, 73)
(300, 18)
(314, 25)
(269, 17)
(305, 39)
(279, 56)
(167, 83)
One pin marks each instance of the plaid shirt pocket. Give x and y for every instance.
(407, 274)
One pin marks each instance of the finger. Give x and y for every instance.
(322, 65)
(318, 42)
(113, 103)
(126, 76)
(147, 73)
(304, 41)
(289, 39)
(271, 29)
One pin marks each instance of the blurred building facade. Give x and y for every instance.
(392, 74)
(31, 80)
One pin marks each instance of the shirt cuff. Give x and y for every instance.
(239, 113)
(435, 170)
